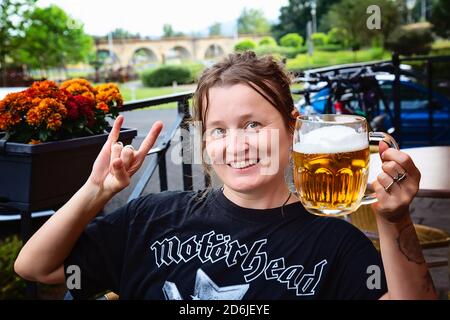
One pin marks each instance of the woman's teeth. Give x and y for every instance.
(243, 164)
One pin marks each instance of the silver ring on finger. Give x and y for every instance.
(400, 177)
(389, 186)
(129, 146)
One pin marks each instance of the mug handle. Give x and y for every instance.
(390, 141)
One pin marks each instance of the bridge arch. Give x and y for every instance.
(178, 52)
(214, 51)
(107, 57)
(143, 57)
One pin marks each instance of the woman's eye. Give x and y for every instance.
(252, 125)
(217, 132)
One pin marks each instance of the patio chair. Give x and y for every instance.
(111, 296)
(107, 296)
(364, 219)
(429, 237)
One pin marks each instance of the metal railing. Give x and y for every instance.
(181, 121)
(429, 60)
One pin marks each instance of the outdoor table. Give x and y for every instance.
(433, 164)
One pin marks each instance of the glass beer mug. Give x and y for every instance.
(331, 162)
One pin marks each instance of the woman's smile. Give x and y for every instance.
(244, 166)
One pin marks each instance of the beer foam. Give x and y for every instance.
(333, 139)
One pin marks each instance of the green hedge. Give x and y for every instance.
(245, 45)
(267, 41)
(329, 48)
(319, 39)
(287, 52)
(291, 40)
(11, 285)
(166, 75)
(411, 39)
(324, 58)
(337, 36)
(195, 69)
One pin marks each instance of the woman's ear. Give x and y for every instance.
(294, 115)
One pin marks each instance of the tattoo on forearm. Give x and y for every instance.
(408, 244)
(428, 284)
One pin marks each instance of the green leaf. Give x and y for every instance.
(43, 135)
(22, 136)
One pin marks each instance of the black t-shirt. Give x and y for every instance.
(188, 245)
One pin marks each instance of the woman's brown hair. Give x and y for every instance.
(265, 75)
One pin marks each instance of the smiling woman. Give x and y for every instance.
(244, 143)
(249, 137)
(249, 239)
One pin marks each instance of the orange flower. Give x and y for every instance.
(8, 120)
(45, 89)
(108, 94)
(41, 112)
(49, 111)
(103, 106)
(54, 121)
(12, 107)
(79, 87)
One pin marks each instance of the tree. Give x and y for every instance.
(252, 21)
(337, 36)
(415, 38)
(53, 39)
(215, 29)
(294, 17)
(168, 32)
(440, 18)
(120, 33)
(11, 28)
(391, 18)
(351, 16)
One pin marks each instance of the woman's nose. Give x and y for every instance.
(237, 143)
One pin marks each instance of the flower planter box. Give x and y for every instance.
(45, 176)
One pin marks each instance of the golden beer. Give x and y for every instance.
(331, 183)
(331, 162)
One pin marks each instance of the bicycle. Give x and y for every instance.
(346, 92)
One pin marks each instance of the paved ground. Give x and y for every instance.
(5, 91)
(427, 211)
(435, 213)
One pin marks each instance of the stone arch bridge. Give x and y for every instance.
(129, 52)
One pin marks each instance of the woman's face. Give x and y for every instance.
(247, 141)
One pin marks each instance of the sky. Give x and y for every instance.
(148, 17)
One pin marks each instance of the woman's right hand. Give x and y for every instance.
(116, 164)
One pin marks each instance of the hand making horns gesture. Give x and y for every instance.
(116, 164)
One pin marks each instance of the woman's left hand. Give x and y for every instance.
(396, 186)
